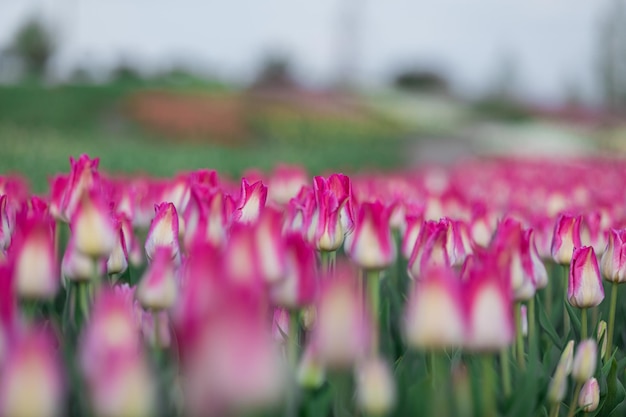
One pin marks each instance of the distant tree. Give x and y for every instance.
(275, 72)
(420, 80)
(612, 55)
(33, 44)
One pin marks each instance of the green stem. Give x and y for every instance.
(554, 410)
(506, 371)
(83, 300)
(488, 387)
(325, 261)
(521, 362)
(609, 342)
(566, 319)
(532, 328)
(583, 324)
(342, 395)
(574, 403)
(373, 295)
(292, 339)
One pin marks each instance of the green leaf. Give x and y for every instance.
(547, 326)
(573, 317)
(615, 391)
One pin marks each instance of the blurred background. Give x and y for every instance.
(158, 86)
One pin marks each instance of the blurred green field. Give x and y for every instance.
(41, 127)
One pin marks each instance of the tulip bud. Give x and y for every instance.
(613, 263)
(585, 285)
(565, 239)
(323, 218)
(118, 260)
(375, 387)
(585, 361)
(591, 232)
(434, 318)
(589, 397)
(429, 250)
(489, 305)
(92, 227)
(158, 288)
(31, 381)
(299, 286)
(311, 374)
(341, 334)
(77, 266)
(36, 274)
(5, 228)
(602, 338)
(163, 231)
(566, 360)
(251, 201)
(371, 245)
(413, 225)
(83, 175)
(285, 183)
(558, 386)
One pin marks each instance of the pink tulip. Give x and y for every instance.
(78, 267)
(270, 245)
(371, 245)
(83, 176)
(5, 225)
(118, 259)
(158, 288)
(585, 289)
(489, 306)
(566, 238)
(163, 232)
(36, 274)
(8, 309)
(285, 183)
(341, 335)
(514, 252)
(93, 228)
(298, 288)
(434, 316)
(323, 218)
(251, 201)
(430, 249)
(589, 397)
(591, 232)
(32, 381)
(413, 222)
(613, 263)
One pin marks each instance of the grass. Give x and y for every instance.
(41, 126)
(38, 153)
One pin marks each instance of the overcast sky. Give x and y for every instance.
(552, 42)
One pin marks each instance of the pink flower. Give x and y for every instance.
(298, 288)
(93, 229)
(163, 231)
(285, 183)
(118, 259)
(371, 245)
(158, 288)
(5, 223)
(251, 201)
(413, 222)
(341, 335)
(32, 381)
(83, 176)
(323, 218)
(76, 266)
(566, 238)
(270, 246)
(592, 233)
(36, 274)
(430, 249)
(489, 306)
(613, 263)
(585, 284)
(434, 316)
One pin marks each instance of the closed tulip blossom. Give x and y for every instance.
(434, 317)
(613, 262)
(342, 333)
(163, 231)
(375, 387)
(118, 259)
(585, 360)
(36, 273)
(323, 219)
(371, 245)
(158, 288)
(252, 200)
(430, 249)
(414, 224)
(566, 238)
(489, 307)
(585, 284)
(589, 397)
(92, 225)
(32, 382)
(83, 176)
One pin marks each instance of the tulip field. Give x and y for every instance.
(487, 288)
